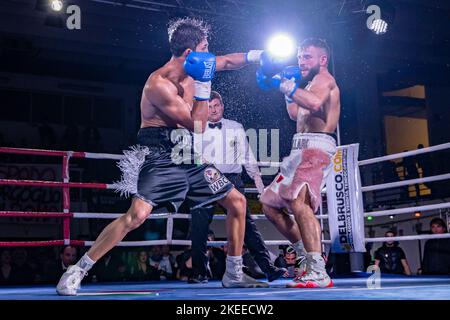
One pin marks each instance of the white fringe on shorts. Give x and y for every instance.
(130, 166)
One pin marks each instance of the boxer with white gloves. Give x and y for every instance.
(175, 96)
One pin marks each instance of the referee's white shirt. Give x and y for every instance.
(227, 148)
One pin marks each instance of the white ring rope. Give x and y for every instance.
(268, 242)
(171, 216)
(406, 182)
(443, 146)
(187, 243)
(406, 238)
(382, 186)
(99, 215)
(428, 207)
(405, 154)
(93, 155)
(393, 212)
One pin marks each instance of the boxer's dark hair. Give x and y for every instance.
(216, 95)
(186, 33)
(316, 42)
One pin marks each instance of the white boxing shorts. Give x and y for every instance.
(308, 164)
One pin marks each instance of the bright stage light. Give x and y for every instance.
(281, 46)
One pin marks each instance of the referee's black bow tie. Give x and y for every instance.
(217, 125)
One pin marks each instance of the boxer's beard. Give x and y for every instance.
(311, 74)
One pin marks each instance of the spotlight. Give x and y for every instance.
(281, 46)
(379, 26)
(391, 217)
(418, 214)
(56, 5)
(369, 218)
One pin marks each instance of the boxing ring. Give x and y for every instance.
(357, 287)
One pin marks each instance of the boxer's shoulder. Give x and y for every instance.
(325, 79)
(157, 83)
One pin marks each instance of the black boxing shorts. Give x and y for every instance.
(155, 172)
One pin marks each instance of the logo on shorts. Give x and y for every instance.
(211, 175)
(299, 144)
(215, 180)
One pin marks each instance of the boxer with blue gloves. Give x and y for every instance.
(287, 81)
(297, 187)
(174, 104)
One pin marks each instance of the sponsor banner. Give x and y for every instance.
(345, 204)
(21, 198)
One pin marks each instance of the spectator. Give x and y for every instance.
(155, 256)
(168, 264)
(161, 261)
(109, 268)
(436, 256)
(5, 267)
(390, 258)
(288, 260)
(141, 270)
(67, 257)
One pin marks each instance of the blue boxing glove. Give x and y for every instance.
(292, 72)
(266, 83)
(287, 81)
(201, 67)
(271, 65)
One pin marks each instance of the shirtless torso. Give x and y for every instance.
(167, 97)
(151, 115)
(318, 118)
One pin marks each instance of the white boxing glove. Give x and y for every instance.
(253, 56)
(202, 90)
